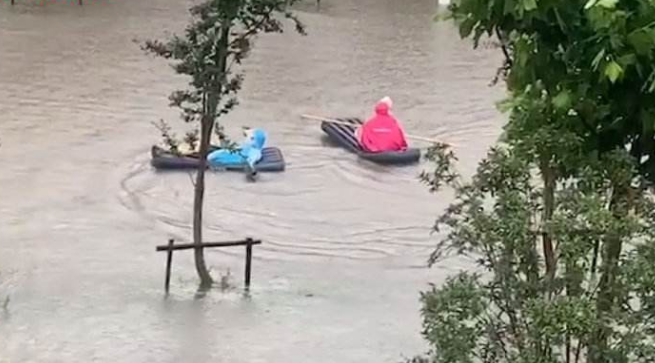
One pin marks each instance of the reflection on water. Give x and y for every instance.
(345, 241)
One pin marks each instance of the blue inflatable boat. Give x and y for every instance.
(344, 136)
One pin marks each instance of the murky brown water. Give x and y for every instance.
(345, 241)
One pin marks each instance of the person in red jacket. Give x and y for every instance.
(382, 132)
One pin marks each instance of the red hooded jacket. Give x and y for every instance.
(382, 132)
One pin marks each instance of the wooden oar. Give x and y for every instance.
(326, 119)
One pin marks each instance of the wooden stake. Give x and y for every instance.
(249, 242)
(169, 260)
(189, 246)
(170, 247)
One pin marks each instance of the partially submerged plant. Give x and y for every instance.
(191, 139)
(170, 139)
(226, 281)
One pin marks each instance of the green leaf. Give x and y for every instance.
(642, 41)
(443, 16)
(509, 7)
(640, 70)
(563, 100)
(522, 52)
(599, 57)
(651, 79)
(616, 41)
(529, 5)
(613, 71)
(599, 19)
(466, 26)
(560, 21)
(506, 105)
(607, 4)
(589, 4)
(647, 123)
(627, 60)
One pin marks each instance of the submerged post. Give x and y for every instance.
(169, 260)
(249, 242)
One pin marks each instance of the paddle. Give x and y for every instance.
(325, 119)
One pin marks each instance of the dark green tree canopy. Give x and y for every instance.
(589, 64)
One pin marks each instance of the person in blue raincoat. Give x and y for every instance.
(246, 155)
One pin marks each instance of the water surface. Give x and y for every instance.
(345, 241)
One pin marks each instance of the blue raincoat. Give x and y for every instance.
(246, 155)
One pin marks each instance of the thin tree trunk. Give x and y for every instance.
(210, 105)
(594, 259)
(573, 289)
(612, 247)
(548, 176)
(578, 349)
(198, 202)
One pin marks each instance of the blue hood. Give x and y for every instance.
(256, 138)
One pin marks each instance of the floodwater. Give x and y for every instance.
(345, 242)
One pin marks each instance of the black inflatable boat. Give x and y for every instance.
(271, 161)
(344, 136)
